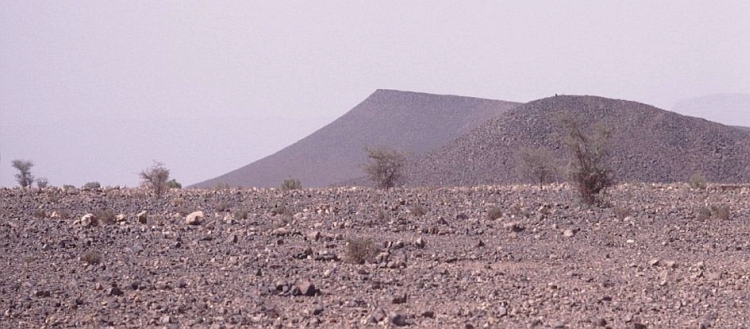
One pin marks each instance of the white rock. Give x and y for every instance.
(194, 218)
(87, 220)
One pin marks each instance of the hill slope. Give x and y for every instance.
(647, 144)
(408, 121)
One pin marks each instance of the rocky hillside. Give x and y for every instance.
(408, 121)
(646, 144)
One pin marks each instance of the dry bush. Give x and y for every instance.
(537, 165)
(105, 216)
(588, 169)
(24, 176)
(42, 182)
(697, 181)
(222, 206)
(621, 212)
(241, 214)
(494, 213)
(418, 210)
(720, 211)
(92, 186)
(91, 257)
(359, 250)
(156, 178)
(291, 184)
(385, 166)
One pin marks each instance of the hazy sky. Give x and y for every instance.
(97, 90)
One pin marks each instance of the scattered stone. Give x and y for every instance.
(514, 227)
(306, 288)
(194, 218)
(653, 262)
(121, 218)
(87, 220)
(428, 314)
(399, 299)
(397, 319)
(141, 217)
(569, 233)
(420, 243)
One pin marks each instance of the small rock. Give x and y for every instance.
(480, 244)
(306, 288)
(638, 325)
(87, 220)
(317, 310)
(428, 314)
(514, 227)
(141, 217)
(314, 236)
(420, 243)
(401, 299)
(569, 233)
(653, 262)
(281, 231)
(121, 218)
(115, 291)
(194, 218)
(671, 264)
(397, 319)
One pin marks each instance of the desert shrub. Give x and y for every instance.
(720, 211)
(588, 170)
(91, 257)
(697, 181)
(222, 206)
(282, 210)
(105, 216)
(24, 176)
(418, 210)
(704, 213)
(39, 213)
(291, 184)
(537, 165)
(92, 186)
(221, 186)
(173, 183)
(240, 214)
(156, 178)
(494, 213)
(359, 250)
(385, 166)
(68, 187)
(621, 212)
(42, 182)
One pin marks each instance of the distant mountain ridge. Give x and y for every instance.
(647, 144)
(407, 121)
(729, 109)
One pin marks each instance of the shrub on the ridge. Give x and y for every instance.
(588, 169)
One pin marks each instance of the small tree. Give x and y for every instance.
(537, 165)
(385, 167)
(24, 177)
(156, 177)
(588, 169)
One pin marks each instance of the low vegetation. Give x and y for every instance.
(156, 178)
(385, 166)
(24, 176)
(359, 250)
(291, 184)
(588, 169)
(537, 165)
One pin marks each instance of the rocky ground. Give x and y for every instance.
(659, 256)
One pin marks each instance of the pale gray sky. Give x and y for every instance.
(95, 90)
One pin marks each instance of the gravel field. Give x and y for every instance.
(658, 256)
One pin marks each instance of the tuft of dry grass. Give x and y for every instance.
(91, 257)
(359, 250)
(494, 213)
(418, 210)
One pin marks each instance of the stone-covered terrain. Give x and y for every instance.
(645, 144)
(659, 256)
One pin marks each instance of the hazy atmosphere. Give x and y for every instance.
(97, 91)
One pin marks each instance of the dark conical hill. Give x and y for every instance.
(407, 121)
(647, 144)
